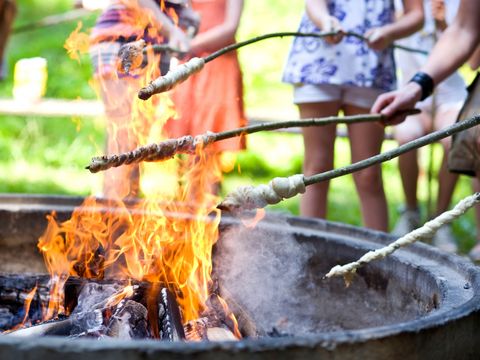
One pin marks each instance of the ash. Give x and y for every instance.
(264, 270)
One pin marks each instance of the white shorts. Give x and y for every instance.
(346, 94)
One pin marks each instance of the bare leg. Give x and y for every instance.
(366, 140)
(411, 129)
(476, 188)
(474, 253)
(446, 179)
(319, 146)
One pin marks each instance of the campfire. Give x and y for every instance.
(143, 274)
(170, 267)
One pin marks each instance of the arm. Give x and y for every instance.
(177, 39)
(454, 47)
(410, 22)
(318, 13)
(474, 60)
(439, 14)
(221, 35)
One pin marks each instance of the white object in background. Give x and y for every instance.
(95, 4)
(30, 79)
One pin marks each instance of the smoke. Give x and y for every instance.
(265, 270)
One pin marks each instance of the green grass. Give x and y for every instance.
(44, 155)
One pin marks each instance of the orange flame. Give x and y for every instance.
(26, 308)
(77, 43)
(167, 238)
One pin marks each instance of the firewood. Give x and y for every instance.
(245, 321)
(129, 321)
(220, 334)
(205, 329)
(169, 319)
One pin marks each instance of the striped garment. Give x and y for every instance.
(121, 22)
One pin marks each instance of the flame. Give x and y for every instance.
(77, 43)
(115, 299)
(251, 223)
(165, 238)
(26, 308)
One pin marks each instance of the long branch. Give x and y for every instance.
(188, 144)
(249, 198)
(194, 65)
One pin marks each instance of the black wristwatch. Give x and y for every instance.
(426, 83)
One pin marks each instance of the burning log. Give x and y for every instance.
(216, 324)
(115, 310)
(250, 198)
(183, 72)
(169, 318)
(188, 144)
(427, 231)
(129, 321)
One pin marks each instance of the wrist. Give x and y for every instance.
(424, 84)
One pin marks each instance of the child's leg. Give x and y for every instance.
(365, 141)
(319, 146)
(411, 129)
(447, 180)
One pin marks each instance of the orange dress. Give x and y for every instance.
(211, 100)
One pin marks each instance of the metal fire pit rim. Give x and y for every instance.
(329, 340)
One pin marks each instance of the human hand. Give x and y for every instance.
(178, 40)
(378, 38)
(332, 24)
(389, 103)
(438, 10)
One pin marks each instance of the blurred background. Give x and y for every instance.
(47, 154)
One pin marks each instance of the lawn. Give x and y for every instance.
(47, 155)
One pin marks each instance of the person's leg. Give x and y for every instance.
(319, 148)
(447, 180)
(444, 239)
(474, 253)
(8, 10)
(366, 141)
(411, 129)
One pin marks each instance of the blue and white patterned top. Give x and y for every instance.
(351, 62)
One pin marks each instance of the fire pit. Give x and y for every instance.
(418, 303)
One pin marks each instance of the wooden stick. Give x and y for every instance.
(188, 144)
(249, 198)
(426, 231)
(184, 71)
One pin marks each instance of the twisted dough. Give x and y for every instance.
(249, 197)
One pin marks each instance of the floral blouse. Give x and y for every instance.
(351, 62)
